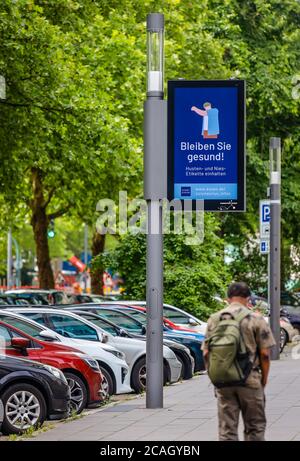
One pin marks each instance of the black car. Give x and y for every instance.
(290, 303)
(30, 393)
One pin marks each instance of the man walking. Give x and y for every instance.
(237, 356)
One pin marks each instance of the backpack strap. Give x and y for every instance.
(242, 315)
(239, 318)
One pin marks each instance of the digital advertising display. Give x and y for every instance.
(206, 143)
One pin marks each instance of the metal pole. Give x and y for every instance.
(9, 259)
(86, 236)
(275, 208)
(18, 262)
(155, 129)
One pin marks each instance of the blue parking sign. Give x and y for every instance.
(264, 219)
(266, 212)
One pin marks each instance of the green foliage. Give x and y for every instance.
(193, 274)
(75, 74)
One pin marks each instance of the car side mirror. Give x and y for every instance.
(48, 335)
(193, 322)
(21, 344)
(144, 330)
(104, 338)
(123, 333)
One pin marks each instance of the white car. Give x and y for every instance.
(172, 313)
(112, 362)
(73, 326)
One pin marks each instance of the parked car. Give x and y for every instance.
(178, 316)
(112, 310)
(30, 393)
(29, 296)
(134, 321)
(70, 325)
(78, 299)
(182, 353)
(81, 371)
(287, 329)
(290, 303)
(7, 299)
(111, 361)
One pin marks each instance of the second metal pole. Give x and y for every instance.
(9, 259)
(275, 281)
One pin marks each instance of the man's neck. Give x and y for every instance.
(238, 300)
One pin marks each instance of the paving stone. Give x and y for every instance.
(190, 413)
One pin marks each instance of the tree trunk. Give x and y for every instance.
(40, 222)
(98, 244)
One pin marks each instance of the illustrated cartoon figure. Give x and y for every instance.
(210, 126)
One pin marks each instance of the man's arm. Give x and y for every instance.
(265, 341)
(264, 359)
(199, 111)
(205, 357)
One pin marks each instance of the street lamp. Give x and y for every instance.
(155, 185)
(275, 212)
(155, 55)
(9, 235)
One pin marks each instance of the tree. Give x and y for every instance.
(58, 123)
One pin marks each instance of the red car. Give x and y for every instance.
(81, 371)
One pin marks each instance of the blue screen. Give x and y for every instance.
(206, 143)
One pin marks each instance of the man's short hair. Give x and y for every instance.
(239, 289)
(206, 104)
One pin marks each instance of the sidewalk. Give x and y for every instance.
(189, 413)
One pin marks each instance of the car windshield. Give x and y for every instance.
(138, 315)
(290, 299)
(175, 316)
(28, 328)
(71, 327)
(120, 319)
(100, 323)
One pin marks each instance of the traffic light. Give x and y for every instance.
(51, 230)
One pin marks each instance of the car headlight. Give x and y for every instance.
(57, 373)
(89, 360)
(285, 319)
(92, 363)
(118, 354)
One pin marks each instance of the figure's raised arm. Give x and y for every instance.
(199, 111)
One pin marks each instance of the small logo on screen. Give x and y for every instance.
(186, 191)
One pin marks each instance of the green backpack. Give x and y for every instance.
(228, 360)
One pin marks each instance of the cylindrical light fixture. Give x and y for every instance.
(155, 54)
(2, 87)
(275, 160)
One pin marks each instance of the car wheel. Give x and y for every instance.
(283, 339)
(107, 383)
(138, 376)
(78, 391)
(24, 408)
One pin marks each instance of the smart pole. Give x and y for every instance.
(275, 209)
(9, 281)
(9, 235)
(155, 189)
